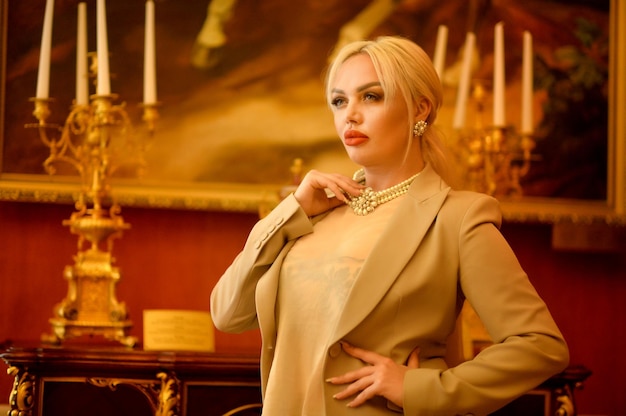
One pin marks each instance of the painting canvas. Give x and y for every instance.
(240, 82)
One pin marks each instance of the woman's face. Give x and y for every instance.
(374, 133)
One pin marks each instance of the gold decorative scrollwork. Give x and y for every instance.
(164, 397)
(169, 396)
(149, 388)
(111, 383)
(565, 398)
(22, 397)
(243, 408)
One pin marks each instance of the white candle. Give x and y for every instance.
(43, 76)
(104, 80)
(498, 77)
(82, 81)
(149, 63)
(464, 81)
(527, 84)
(439, 58)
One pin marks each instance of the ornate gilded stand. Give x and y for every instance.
(96, 140)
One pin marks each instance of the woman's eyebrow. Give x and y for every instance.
(369, 85)
(359, 89)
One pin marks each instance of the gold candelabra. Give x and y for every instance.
(495, 158)
(96, 140)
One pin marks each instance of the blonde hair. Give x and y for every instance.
(401, 65)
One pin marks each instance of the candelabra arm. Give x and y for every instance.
(65, 150)
(42, 113)
(42, 109)
(150, 116)
(527, 145)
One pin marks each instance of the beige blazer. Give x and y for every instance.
(440, 248)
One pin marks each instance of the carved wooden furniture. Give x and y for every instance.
(554, 397)
(120, 381)
(104, 381)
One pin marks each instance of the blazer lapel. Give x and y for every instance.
(394, 248)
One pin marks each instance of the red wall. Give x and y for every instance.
(172, 259)
(586, 293)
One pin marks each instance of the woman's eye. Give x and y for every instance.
(337, 102)
(370, 96)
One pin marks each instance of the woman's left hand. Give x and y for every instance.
(382, 377)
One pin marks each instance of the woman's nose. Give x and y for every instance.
(353, 115)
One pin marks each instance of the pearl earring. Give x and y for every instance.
(419, 128)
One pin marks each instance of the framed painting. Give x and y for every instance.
(240, 86)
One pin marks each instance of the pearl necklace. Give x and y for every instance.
(370, 199)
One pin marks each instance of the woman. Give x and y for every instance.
(356, 284)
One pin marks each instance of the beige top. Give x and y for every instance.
(315, 280)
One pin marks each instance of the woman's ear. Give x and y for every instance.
(422, 109)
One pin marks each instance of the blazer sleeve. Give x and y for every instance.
(233, 307)
(528, 346)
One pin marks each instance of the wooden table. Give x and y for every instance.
(114, 380)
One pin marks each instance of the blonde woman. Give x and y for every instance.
(356, 283)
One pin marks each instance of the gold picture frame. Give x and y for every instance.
(242, 196)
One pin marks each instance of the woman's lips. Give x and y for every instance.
(354, 138)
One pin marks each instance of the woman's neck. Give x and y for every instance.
(380, 179)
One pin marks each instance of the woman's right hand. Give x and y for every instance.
(312, 194)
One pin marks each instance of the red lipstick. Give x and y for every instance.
(354, 138)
